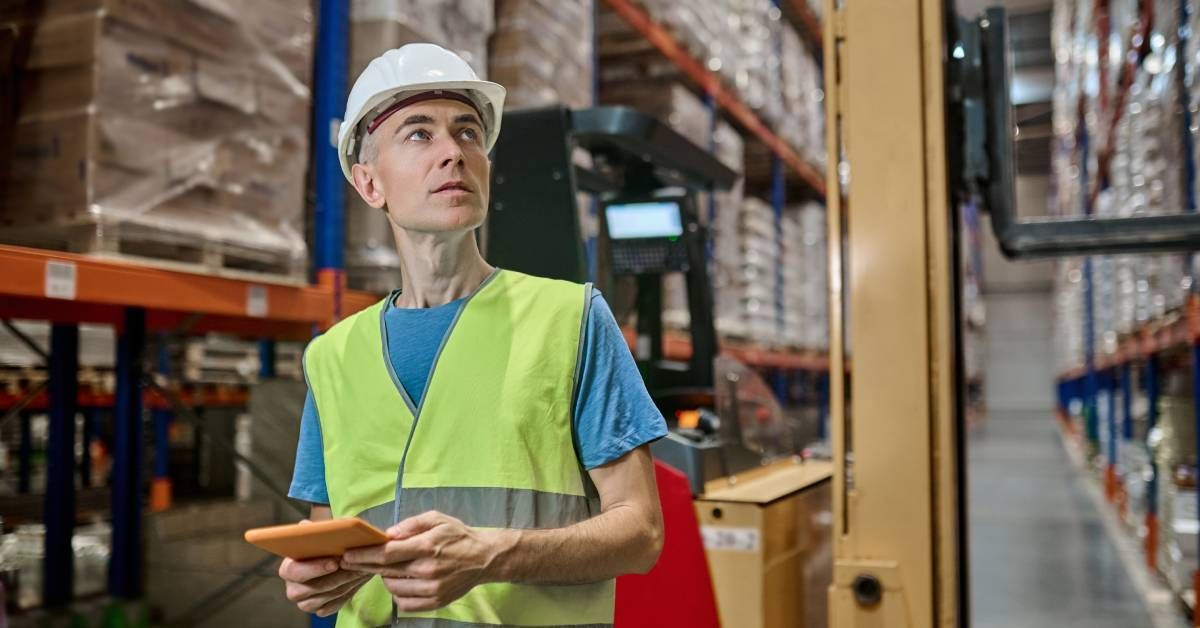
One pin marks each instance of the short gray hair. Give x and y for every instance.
(367, 149)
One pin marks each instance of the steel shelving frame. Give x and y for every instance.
(66, 289)
(1145, 347)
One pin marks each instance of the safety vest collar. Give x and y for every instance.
(389, 304)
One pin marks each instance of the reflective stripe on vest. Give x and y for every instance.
(490, 444)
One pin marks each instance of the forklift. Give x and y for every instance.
(644, 178)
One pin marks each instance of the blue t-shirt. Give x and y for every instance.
(613, 411)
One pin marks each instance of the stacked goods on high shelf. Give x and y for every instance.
(463, 26)
(726, 206)
(805, 278)
(176, 132)
(803, 124)
(1068, 314)
(542, 52)
(1146, 173)
(747, 45)
(754, 283)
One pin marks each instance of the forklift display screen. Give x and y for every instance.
(659, 219)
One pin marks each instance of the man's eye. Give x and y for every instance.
(470, 135)
(419, 135)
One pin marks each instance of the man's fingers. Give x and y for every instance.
(388, 553)
(305, 570)
(317, 587)
(420, 569)
(416, 524)
(321, 600)
(411, 588)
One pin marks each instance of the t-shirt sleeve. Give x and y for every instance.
(613, 411)
(308, 477)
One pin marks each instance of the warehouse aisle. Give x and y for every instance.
(1040, 555)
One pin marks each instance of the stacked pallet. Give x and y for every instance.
(746, 44)
(174, 132)
(805, 289)
(1147, 175)
(542, 52)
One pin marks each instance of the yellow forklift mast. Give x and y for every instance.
(919, 119)
(898, 547)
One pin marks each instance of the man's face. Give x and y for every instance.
(429, 168)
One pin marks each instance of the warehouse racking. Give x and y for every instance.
(141, 301)
(1100, 400)
(788, 173)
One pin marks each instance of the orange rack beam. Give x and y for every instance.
(677, 346)
(1177, 331)
(66, 287)
(711, 84)
(207, 396)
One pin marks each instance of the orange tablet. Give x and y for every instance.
(301, 541)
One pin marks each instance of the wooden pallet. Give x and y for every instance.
(164, 248)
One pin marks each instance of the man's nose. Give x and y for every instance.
(452, 153)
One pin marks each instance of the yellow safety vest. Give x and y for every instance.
(491, 443)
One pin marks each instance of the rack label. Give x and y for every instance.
(730, 539)
(60, 280)
(256, 301)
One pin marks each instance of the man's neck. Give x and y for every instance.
(438, 268)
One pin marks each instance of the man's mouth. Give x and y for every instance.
(453, 186)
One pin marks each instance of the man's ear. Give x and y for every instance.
(369, 186)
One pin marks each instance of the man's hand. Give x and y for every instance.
(432, 560)
(319, 585)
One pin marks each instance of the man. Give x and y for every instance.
(493, 423)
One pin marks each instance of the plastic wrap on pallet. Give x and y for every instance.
(736, 39)
(170, 130)
(1068, 313)
(542, 52)
(803, 123)
(460, 25)
(805, 321)
(1157, 129)
(23, 551)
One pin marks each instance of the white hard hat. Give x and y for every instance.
(408, 71)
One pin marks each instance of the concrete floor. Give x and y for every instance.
(1040, 553)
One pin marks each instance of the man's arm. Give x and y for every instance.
(625, 537)
(435, 558)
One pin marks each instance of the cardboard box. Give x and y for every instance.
(769, 546)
